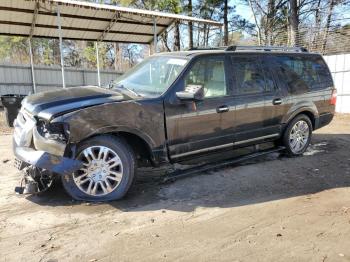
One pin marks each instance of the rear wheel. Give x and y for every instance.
(297, 135)
(107, 173)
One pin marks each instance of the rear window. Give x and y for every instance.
(304, 73)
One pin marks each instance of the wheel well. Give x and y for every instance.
(141, 148)
(310, 115)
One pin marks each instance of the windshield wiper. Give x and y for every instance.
(130, 90)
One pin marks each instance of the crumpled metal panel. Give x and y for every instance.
(57, 164)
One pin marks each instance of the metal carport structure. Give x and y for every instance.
(76, 20)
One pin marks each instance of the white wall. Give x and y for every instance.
(340, 68)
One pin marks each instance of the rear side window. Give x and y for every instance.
(303, 73)
(248, 75)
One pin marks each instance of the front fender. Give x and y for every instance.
(144, 119)
(119, 128)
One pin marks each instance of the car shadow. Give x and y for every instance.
(325, 165)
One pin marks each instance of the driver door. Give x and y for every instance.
(202, 126)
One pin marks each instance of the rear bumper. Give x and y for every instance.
(323, 120)
(41, 159)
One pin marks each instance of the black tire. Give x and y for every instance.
(290, 149)
(127, 158)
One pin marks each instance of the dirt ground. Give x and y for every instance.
(276, 209)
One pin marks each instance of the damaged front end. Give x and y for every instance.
(40, 148)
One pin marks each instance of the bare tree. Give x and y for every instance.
(255, 21)
(270, 16)
(328, 23)
(226, 22)
(294, 22)
(317, 24)
(190, 24)
(177, 36)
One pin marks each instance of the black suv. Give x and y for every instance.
(169, 108)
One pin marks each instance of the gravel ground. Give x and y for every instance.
(273, 209)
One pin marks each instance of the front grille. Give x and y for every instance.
(24, 125)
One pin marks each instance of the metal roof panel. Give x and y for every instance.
(85, 21)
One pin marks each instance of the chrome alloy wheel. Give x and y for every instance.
(102, 171)
(299, 135)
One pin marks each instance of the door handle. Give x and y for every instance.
(222, 109)
(277, 101)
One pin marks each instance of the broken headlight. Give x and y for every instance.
(54, 131)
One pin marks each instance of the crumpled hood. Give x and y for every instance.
(53, 103)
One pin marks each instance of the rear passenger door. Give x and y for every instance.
(252, 122)
(277, 101)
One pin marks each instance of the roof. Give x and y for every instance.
(85, 21)
(240, 49)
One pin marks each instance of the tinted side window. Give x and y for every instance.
(302, 74)
(290, 71)
(322, 71)
(210, 73)
(248, 75)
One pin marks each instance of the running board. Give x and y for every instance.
(210, 166)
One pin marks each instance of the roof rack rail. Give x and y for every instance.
(207, 48)
(265, 48)
(250, 48)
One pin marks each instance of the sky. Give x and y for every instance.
(244, 11)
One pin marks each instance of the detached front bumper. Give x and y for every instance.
(33, 149)
(41, 159)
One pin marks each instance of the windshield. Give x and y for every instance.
(153, 76)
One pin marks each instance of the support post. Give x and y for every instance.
(32, 64)
(61, 44)
(98, 65)
(155, 34)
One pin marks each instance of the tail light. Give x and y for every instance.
(333, 100)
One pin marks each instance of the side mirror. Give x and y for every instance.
(191, 93)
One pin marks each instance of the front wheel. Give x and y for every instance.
(107, 173)
(297, 135)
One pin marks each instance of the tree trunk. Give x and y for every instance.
(204, 34)
(328, 23)
(117, 64)
(164, 38)
(271, 12)
(317, 26)
(226, 23)
(177, 37)
(207, 36)
(294, 22)
(198, 34)
(255, 21)
(190, 25)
